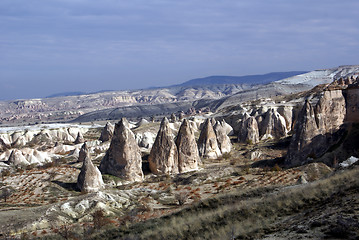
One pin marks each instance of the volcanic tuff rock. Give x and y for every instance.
(207, 142)
(188, 156)
(27, 156)
(145, 139)
(248, 131)
(273, 126)
(107, 132)
(90, 178)
(17, 159)
(163, 157)
(79, 138)
(123, 158)
(223, 140)
(319, 127)
(84, 151)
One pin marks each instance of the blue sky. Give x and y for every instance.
(51, 46)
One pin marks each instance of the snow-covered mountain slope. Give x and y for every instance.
(323, 76)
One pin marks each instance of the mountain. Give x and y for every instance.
(322, 76)
(248, 79)
(66, 94)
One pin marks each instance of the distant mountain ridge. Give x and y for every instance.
(247, 79)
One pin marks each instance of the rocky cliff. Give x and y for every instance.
(322, 125)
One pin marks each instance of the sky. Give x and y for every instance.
(53, 46)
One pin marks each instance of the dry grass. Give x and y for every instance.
(241, 213)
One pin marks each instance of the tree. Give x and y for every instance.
(5, 193)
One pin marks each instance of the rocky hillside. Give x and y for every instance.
(292, 85)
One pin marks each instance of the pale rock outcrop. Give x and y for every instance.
(3, 145)
(84, 151)
(223, 140)
(28, 156)
(17, 159)
(273, 126)
(79, 138)
(90, 178)
(207, 142)
(287, 113)
(226, 127)
(142, 122)
(107, 132)
(188, 156)
(163, 157)
(145, 139)
(123, 158)
(249, 132)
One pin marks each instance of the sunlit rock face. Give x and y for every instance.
(207, 142)
(90, 178)
(188, 156)
(123, 158)
(222, 130)
(163, 157)
(318, 126)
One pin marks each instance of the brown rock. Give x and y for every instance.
(163, 157)
(107, 132)
(123, 158)
(83, 153)
(188, 156)
(207, 142)
(79, 138)
(248, 132)
(317, 128)
(90, 178)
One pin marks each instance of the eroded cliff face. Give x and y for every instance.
(322, 125)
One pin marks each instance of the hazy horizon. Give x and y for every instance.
(49, 47)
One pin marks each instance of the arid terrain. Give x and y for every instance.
(267, 161)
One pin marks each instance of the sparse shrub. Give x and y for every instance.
(249, 142)
(99, 220)
(276, 168)
(181, 197)
(5, 173)
(226, 155)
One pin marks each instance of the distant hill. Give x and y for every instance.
(65, 94)
(248, 79)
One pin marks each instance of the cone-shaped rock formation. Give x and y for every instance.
(248, 132)
(223, 140)
(163, 157)
(207, 143)
(79, 138)
(188, 156)
(83, 153)
(123, 158)
(90, 178)
(107, 132)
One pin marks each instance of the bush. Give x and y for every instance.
(181, 197)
